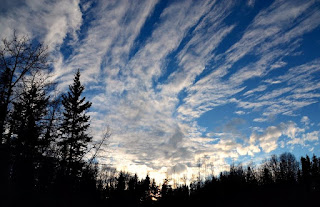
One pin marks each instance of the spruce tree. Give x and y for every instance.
(74, 127)
(19, 58)
(26, 123)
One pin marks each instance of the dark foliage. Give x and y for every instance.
(74, 137)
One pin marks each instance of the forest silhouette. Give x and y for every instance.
(48, 158)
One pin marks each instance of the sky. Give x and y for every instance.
(185, 83)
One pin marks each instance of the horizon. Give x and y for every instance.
(181, 81)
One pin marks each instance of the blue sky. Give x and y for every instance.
(183, 81)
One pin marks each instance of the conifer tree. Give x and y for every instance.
(19, 58)
(26, 124)
(74, 126)
(121, 184)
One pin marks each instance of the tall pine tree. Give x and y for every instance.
(26, 123)
(19, 58)
(74, 127)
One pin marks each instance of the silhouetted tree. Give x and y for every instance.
(315, 172)
(164, 189)
(74, 139)
(154, 190)
(26, 131)
(18, 58)
(121, 183)
(133, 182)
(145, 184)
(251, 178)
(266, 176)
(306, 172)
(274, 168)
(51, 127)
(288, 168)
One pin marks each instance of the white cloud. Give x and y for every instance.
(50, 21)
(251, 3)
(260, 120)
(240, 112)
(305, 120)
(275, 93)
(312, 136)
(305, 139)
(177, 169)
(268, 140)
(258, 89)
(197, 52)
(290, 129)
(297, 91)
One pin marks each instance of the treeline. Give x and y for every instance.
(48, 158)
(278, 181)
